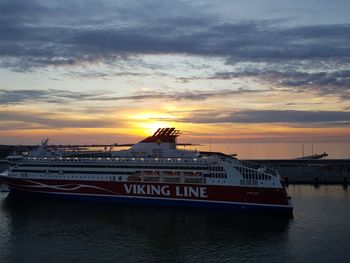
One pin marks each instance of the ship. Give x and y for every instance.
(313, 157)
(153, 171)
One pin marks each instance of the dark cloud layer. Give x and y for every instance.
(30, 120)
(336, 82)
(50, 95)
(59, 96)
(288, 117)
(37, 35)
(193, 95)
(271, 116)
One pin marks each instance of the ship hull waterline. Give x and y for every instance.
(229, 198)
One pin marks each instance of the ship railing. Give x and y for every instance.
(261, 168)
(115, 160)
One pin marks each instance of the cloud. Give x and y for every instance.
(106, 74)
(49, 95)
(324, 83)
(193, 95)
(270, 116)
(43, 120)
(59, 96)
(37, 34)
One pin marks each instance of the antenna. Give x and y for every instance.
(303, 149)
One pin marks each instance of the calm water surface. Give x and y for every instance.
(33, 230)
(279, 150)
(269, 150)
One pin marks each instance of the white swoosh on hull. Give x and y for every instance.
(63, 187)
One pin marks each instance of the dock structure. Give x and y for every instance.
(319, 171)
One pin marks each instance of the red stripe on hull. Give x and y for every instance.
(256, 195)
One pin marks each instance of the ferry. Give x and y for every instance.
(153, 171)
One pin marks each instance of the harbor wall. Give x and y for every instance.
(321, 171)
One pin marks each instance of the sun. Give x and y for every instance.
(148, 123)
(151, 127)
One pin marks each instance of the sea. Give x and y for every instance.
(276, 150)
(45, 230)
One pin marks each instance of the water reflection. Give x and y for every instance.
(43, 228)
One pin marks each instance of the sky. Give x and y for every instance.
(221, 71)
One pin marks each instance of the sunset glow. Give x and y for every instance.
(217, 73)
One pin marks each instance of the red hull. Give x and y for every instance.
(193, 192)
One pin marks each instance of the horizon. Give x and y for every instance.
(101, 72)
(244, 150)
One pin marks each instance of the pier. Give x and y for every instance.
(320, 171)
